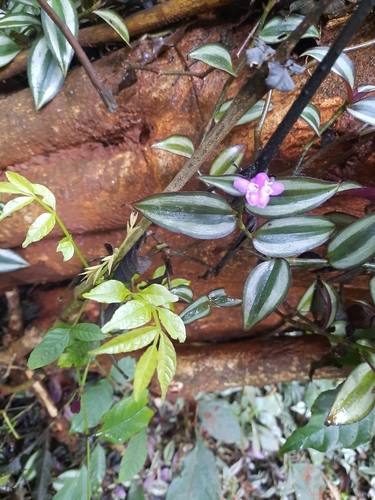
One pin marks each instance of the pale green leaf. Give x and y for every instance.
(115, 21)
(308, 481)
(6, 187)
(47, 196)
(127, 342)
(177, 144)
(50, 348)
(173, 324)
(214, 55)
(126, 419)
(219, 421)
(15, 204)
(109, 292)
(134, 458)
(74, 485)
(66, 247)
(144, 370)
(372, 288)
(20, 182)
(166, 366)
(127, 365)
(250, 116)
(39, 228)
(131, 315)
(157, 295)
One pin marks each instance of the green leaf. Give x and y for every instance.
(223, 182)
(87, 332)
(20, 182)
(50, 348)
(300, 195)
(44, 74)
(66, 247)
(134, 458)
(371, 284)
(214, 55)
(218, 298)
(198, 309)
(6, 187)
(355, 399)
(308, 481)
(200, 215)
(74, 484)
(126, 419)
(11, 261)
(157, 295)
(76, 354)
(97, 400)
(8, 49)
(127, 365)
(343, 66)
(279, 28)
(199, 479)
(144, 370)
(177, 144)
(353, 245)
(131, 315)
(39, 228)
(363, 110)
(184, 292)
(57, 43)
(219, 421)
(292, 235)
(332, 303)
(322, 438)
(98, 467)
(18, 20)
(47, 196)
(250, 116)
(265, 288)
(115, 21)
(108, 292)
(173, 324)
(223, 163)
(127, 342)
(311, 116)
(166, 364)
(15, 204)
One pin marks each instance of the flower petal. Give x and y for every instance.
(252, 199)
(241, 184)
(263, 199)
(277, 188)
(260, 179)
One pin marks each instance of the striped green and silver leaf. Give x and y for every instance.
(343, 66)
(223, 163)
(8, 49)
(300, 195)
(353, 245)
(311, 116)
(198, 309)
(115, 21)
(18, 20)
(44, 74)
(223, 182)
(266, 287)
(250, 116)
(363, 110)
(177, 144)
(214, 55)
(57, 43)
(279, 28)
(292, 235)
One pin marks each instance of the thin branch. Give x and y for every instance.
(104, 92)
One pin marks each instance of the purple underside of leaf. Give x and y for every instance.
(367, 192)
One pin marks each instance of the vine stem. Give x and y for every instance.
(104, 92)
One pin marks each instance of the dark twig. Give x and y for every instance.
(311, 86)
(104, 92)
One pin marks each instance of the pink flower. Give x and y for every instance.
(259, 189)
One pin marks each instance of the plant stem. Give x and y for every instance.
(298, 168)
(104, 92)
(258, 128)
